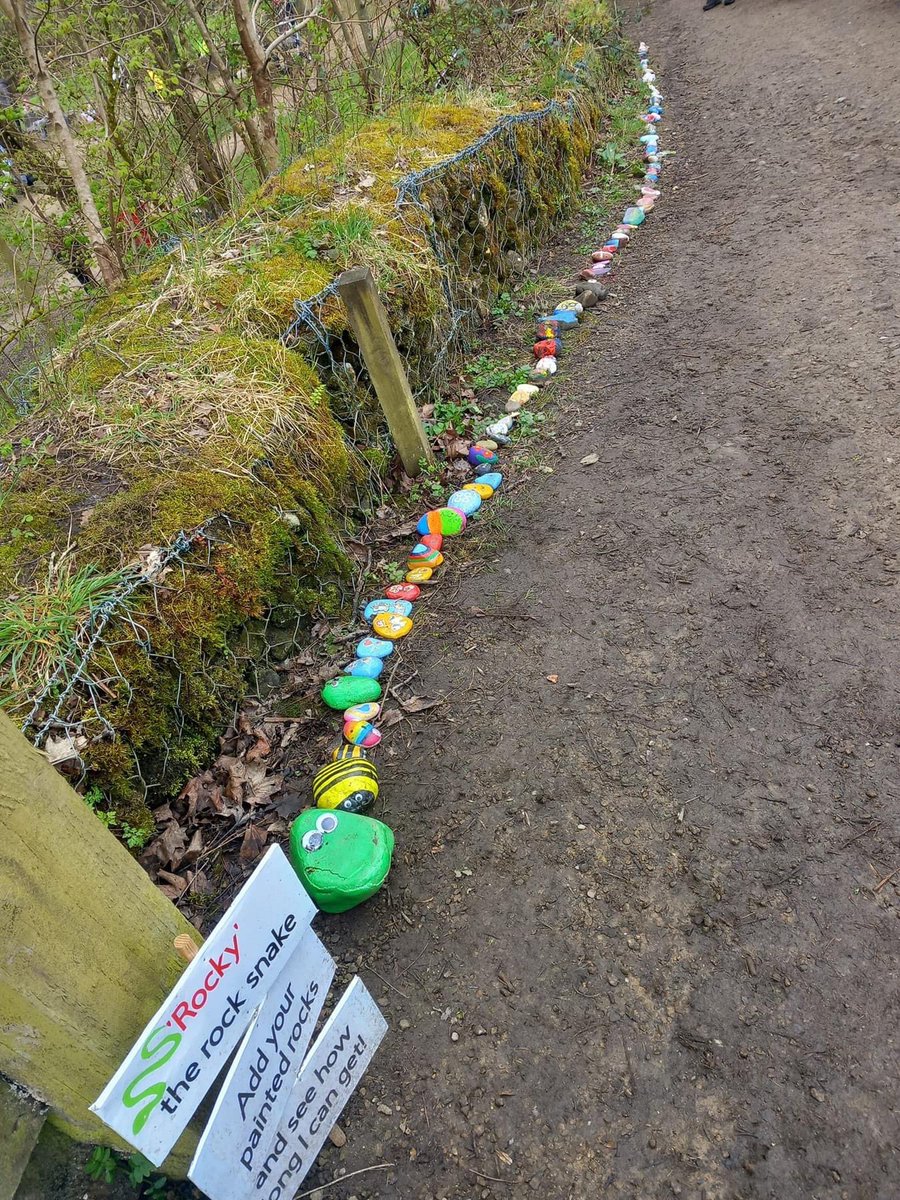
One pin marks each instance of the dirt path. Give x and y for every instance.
(635, 924)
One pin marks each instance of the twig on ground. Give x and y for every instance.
(340, 1178)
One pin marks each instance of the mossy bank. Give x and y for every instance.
(180, 409)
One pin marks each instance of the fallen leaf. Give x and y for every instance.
(418, 704)
(552, 678)
(61, 749)
(366, 181)
(590, 459)
(260, 748)
(253, 843)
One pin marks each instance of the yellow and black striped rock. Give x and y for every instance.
(350, 784)
(345, 750)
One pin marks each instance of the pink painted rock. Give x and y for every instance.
(602, 256)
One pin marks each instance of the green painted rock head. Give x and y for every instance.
(342, 858)
(347, 690)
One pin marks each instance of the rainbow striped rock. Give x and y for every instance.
(445, 521)
(349, 784)
(421, 556)
(361, 733)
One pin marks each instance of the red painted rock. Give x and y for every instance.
(403, 591)
(546, 348)
(433, 541)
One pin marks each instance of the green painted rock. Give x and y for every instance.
(342, 858)
(347, 690)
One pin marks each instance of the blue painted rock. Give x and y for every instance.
(633, 215)
(402, 607)
(478, 455)
(403, 591)
(466, 501)
(493, 479)
(362, 733)
(345, 750)
(365, 668)
(371, 647)
(565, 317)
(341, 858)
(391, 625)
(446, 521)
(362, 712)
(345, 691)
(349, 784)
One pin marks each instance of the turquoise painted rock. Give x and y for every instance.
(400, 608)
(342, 858)
(564, 317)
(465, 502)
(345, 691)
(493, 479)
(633, 215)
(365, 668)
(372, 647)
(445, 521)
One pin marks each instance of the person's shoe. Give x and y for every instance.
(728, 1)
(712, 4)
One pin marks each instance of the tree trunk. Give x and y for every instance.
(87, 944)
(250, 132)
(255, 54)
(110, 268)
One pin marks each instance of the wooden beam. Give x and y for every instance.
(369, 323)
(21, 1121)
(87, 940)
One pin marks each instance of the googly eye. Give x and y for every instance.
(312, 841)
(327, 823)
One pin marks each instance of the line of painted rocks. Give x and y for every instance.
(341, 855)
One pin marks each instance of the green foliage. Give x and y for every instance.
(394, 572)
(487, 372)
(101, 1165)
(139, 1169)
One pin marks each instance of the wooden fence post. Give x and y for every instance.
(369, 323)
(87, 945)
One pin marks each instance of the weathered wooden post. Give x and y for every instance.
(369, 323)
(86, 945)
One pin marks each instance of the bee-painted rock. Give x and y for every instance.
(350, 784)
(419, 574)
(374, 607)
(371, 647)
(421, 556)
(478, 455)
(482, 489)
(391, 625)
(345, 750)
(341, 858)
(466, 501)
(434, 541)
(446, 521)
(345, 691)
(365, 668)
(362, 733)
(363, 712)
(403, 591)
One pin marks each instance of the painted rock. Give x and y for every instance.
(602, 256)
(467, 502)
(493, 480)
(362, 733)
(481, 489)
(345, 750)
(613, 246)
(403, 591)
(419, 574)
(390, 625)
(371, 647)
(484, 469)
(421, 556)
(350, 785)
(546, 327)
(341, 858)
(365, 668)
(487, 443)
(652, 192)
(523, 393)
(646, 204)
(549, 347)
(478, 455)
(433, 541)
(633, 215)
(565, 317)
(374, 607)
(345, 691)
(363, 712)
(545, 366)
(501, 428)
(442, 520)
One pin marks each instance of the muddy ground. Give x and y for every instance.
(638, 925)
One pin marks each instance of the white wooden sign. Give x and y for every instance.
(258, 1085)
(177, 1058)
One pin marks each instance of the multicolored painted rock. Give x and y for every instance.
(433, 541)
(362, 733)
(446, 521)
(350, 785)
(493, 479)
(345, 750)
(546, 327)
(362, 712)
(548, 347)
(466, 501)
(482, 489)
(374, 607)
(478, 455)
(345, 691)
(403, 591)
(421, 556)
(371, 647)
(633, 215)
(365, 668)
(565, 306)
(419, 574)
(341, 858)
(391, 625)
